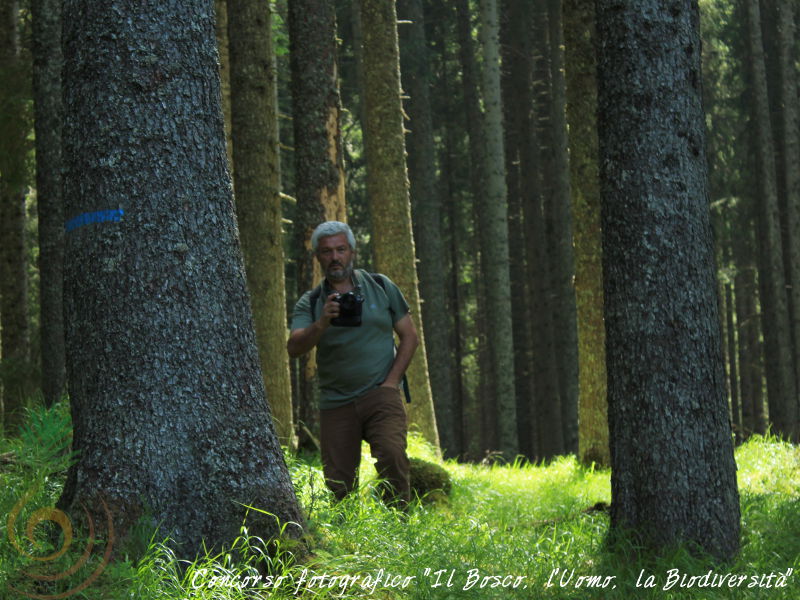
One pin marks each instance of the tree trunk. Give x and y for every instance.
(550, 431)
(790, 171)
(517, 107)
(581, 67)
(454, 162)
(731, 343)
(387, 188)
(749, 350)
(781, 384)
(221, 8)
(458, 227)
(170, 417)
(318, 159)
(427, 212)
(561, 242)
(257, 181)
(493, 210)
(14, 130)
(474, 428)
(665, 374)
(46, 17)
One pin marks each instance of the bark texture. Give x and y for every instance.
(581, 67)
(257, 182)
(665, 371)
(168, 405)
(387, 187)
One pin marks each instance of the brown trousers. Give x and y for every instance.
(379, 418)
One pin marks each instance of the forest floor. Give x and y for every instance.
(505, 531)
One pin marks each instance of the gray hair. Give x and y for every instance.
(329, 228)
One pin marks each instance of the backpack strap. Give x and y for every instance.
(312, 301)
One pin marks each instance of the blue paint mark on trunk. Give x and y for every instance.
(100, 216)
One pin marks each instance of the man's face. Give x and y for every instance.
(336, 257)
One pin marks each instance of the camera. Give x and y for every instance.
(350, 305)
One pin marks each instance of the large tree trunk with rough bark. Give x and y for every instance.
(170, 417)
(46, 17)
(257, 182)
(387, 187)
(673, 473)
(318, 161)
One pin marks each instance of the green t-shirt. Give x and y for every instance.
(353, 360)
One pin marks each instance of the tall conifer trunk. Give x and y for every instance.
(474, 432)
(318, 161)
(168, 406)
(493, 212)
(517, 108)
(257, 182)
(387, 187)
(540, 186)
(561, 242)
(673, 475)
(581, 67)
(221, 12)
(47, 100)
(427, 216)
(14, 129)
(790, 170)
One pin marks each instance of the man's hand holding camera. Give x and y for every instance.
(330, 311)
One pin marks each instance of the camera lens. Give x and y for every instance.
(347, 301)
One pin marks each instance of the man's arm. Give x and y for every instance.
(303, 340)
(408, 342)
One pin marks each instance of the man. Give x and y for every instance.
(359, 370)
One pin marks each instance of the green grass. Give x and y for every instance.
(513, 525)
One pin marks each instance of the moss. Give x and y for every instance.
(429, 481)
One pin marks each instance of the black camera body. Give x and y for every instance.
(350, 305)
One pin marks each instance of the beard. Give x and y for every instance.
(337, 272)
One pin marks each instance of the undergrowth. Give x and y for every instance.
(507, 531)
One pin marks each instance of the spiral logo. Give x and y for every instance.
(61, 519)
